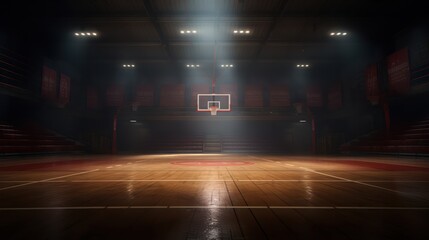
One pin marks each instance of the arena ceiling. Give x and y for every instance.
(149, 32)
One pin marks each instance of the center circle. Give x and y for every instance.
(211, 163)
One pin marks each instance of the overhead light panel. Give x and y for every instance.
(303, 65)
(241, 31)
(128, 65)
(188, 31)
(338, 34)
(85, 34)
(192, 65)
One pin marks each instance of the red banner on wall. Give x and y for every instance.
(335, 97)
(115, 96)
(279, 96)
(398, 72)
(198, 89)
(230, 89)
(372, 84)
(172, 95)
(64, 94)
(91, 98)
(253, 96)
(49, 84)
(144, 96)
(314, 96)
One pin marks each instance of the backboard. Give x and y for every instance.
(213, 102)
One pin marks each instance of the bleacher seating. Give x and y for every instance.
(32, 139)
(410, 138)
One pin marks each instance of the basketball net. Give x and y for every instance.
(213, 110)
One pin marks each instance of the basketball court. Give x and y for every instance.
(214, 196)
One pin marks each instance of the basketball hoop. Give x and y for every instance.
(213, 110)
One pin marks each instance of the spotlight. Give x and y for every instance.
(182, 32)
(133, 121)
(231, 65)
(192, 65)
(76, 34)
(247, 31)
(222, 65)
(94, 34)
(338, 33)
(82, 34)
(132, 65)
(302, 121)
(187, 65)
(241, 31)
(128, 65)
(198, 65)
(235, 31)
(298, 65)
(188, 31)
(193, 31)
(332, 33)
(306, 65)
(344, 33)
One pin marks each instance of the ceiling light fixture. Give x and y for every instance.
(192, 65)
(338, 33)
(303, 65)
(188, 31)
(84, 34)
(241, 31)
(128, 65)
(226, 65)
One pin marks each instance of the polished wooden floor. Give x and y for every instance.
(214, 196)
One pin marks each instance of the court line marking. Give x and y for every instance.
(214, 207)
(337, 177)
(47, 180)
(217, 180)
